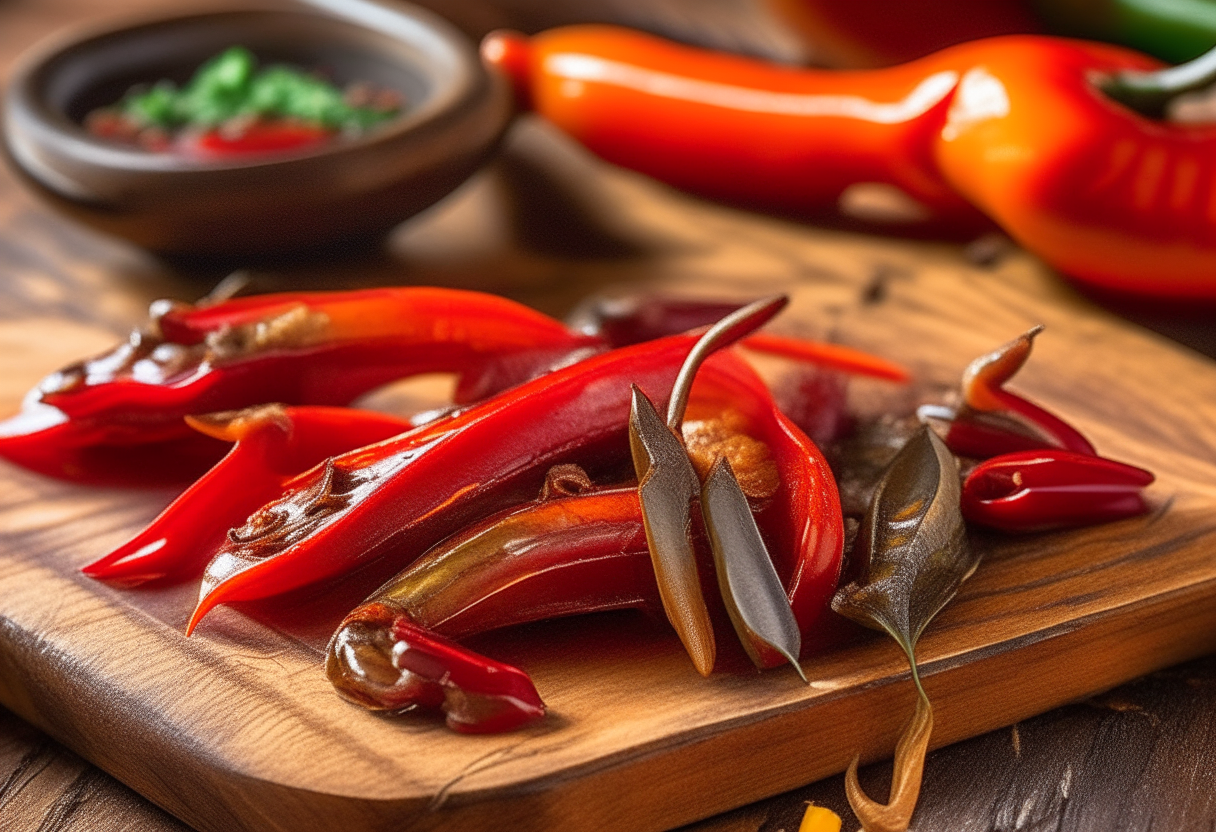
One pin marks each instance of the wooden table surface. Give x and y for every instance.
(534, 226)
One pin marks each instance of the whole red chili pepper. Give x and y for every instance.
(273, 444)
(1028, 130)
(1034, 491)
(304, 348)
(406, 494)
(734, 128)
(588, 552)
(1038, 472)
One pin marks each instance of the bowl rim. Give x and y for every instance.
(450, 65)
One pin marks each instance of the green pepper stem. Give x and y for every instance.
(1150, 93)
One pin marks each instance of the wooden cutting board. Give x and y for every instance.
(236, 728)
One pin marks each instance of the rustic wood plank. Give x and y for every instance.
(45, 787)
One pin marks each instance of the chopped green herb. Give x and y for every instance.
(230, 93)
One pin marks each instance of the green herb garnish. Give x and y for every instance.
(231, 87)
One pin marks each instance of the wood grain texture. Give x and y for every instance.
(636, 739)
(237, 729)
(47, 788)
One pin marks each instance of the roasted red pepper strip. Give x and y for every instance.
(585, 553)
(1051, 489)
(304, 348)
(272, 445)
(1019, 128)
(408, 493)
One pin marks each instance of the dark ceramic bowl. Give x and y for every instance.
(348, 188)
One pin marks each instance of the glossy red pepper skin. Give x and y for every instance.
(301, 348)
(1014, 127)
(733, 128)
(1042, 490)
(440, 479)
(575, 553)
(586, 553)
(272, 444)
(404, 495)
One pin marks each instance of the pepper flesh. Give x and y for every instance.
(1042, 490)
(1016, 127)
(437, 478)
(272, 444)
(324, 348)
(588, 552)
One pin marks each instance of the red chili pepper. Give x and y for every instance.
(574, 554)
(273, 444)
(438, 479)
(408, 493)
(1051, 489)
(304, 348)
(1042, 135)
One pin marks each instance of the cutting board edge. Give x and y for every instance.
(240, 795)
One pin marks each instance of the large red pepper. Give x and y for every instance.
(1025, 129)
(305, 348)
(588, 552)
(734, 128)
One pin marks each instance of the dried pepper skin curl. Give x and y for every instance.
(405, 667)
(323, 348)
(406, 494)
(992, 420)
(585, 549)
(1025, 130)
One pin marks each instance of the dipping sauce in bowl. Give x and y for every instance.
(233, 106)
(287, 188)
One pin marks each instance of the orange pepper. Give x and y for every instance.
(734, 128)
(1017, 127)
